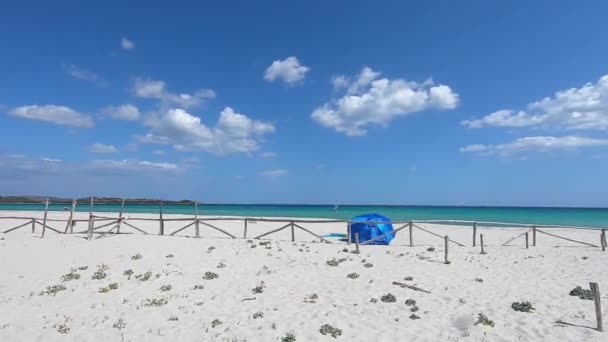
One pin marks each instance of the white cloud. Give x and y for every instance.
(51, 160)
(151, 89)
(127, 112)
(370, 100)
(584, 108)
(233, 133)
(268, 155)
(127, 44)
(288, 70)
(59, 115)
(133, 165)
(102, 148)
(535, 144)
(275, 173)
(340, 82)
(159, 152)
(83, 74)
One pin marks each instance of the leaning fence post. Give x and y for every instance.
(293, 232)
(595, 291)
(446, 244)
(534, 235)
(527, 246)
(46, 210)
(91, 222)
(357, 243)
(411, 227)
(68, 225)
(474, 233)
(162, 223)
(481, 243)
(197, 232)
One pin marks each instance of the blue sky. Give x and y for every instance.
(437, 102)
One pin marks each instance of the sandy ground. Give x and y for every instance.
(297, 291)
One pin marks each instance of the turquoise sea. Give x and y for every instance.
(588, 217)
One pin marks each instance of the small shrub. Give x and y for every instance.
(259, 288)
(53, 290)
(264, 243)
(83, 268)
(373, 300)
(408, 278)
(333, 262)
(101, 272)
(327, 329)
(345, 250)
(221, 265)
(211, 248)
(484, 320)
(368, 265)
(136, 257)
(210, 276)
(166, 288)
(388, 298)
(479, 280)
(258, 314)
(430, 249)
(128, 273)
(215, 323)
(72, 275)
(120, 324)
(410, 302)
(169, 256)
(522, 306)
(63, 328)
(311, 299)
(144, 277)
(156, 302)
(414, 316)
(414, 308)
(173, 319)
(289, 337)
(582, 293)
(353, 275)
(112, 286)
(198, 287)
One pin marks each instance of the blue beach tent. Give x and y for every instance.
(370, 226)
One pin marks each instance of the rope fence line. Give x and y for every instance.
(115, 224)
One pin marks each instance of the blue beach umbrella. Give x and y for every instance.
(370, 226)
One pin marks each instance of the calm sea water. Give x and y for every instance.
(589, 217)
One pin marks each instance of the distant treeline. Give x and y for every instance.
(98, 200)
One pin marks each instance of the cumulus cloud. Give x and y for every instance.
(584, 108)
(371, 100)
(102, 148)
(268, 155)
(274, 173)
(288, 70)
(127, 44)
(83, 74)
(151, 89)
(127, 112)
(233, 132)
(59, 115)
(535, 144)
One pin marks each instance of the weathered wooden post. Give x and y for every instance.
(162, 222)
(527, 240)
(474, 233)
(33, 226)
(604, 232)
(348, 232)
(197, 231)
(245, 229)
(603, 240)
(534, 235)
(68, 224)
(46, 211)
(446, 243)
(411, 228)
(595, 291)
(481, 243)
(122, 209)
(293, 232)
(357, 243)
(91, 222)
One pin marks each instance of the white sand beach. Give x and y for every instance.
(265, 289)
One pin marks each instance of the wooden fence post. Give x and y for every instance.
(293, 232)
(68, 225)
(534, 235)
(357, 243)
(603, 240)
(604, 232)
(161, 222)
(481, 243)
(348, 232)
(46, 210)
(527, 246)
(122, 209)
(474, 233)
(33, 226)
(197, 231)
(446, 245)
(411, 227)
(595, 291)
(245, 229)
(91, 222)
